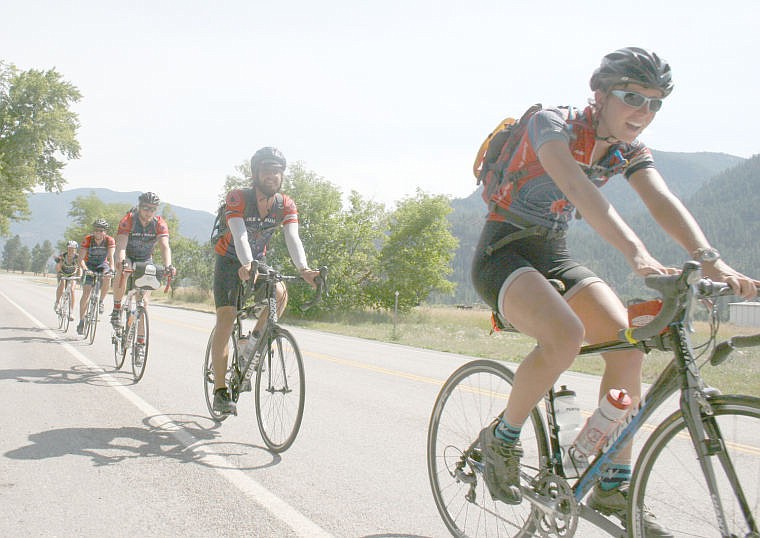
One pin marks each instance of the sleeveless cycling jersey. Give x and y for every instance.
(142, 239)
(537, 199)
(242, 203)
(68, 265)
(97, 252)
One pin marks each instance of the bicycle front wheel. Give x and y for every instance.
(280, 391)
(66, 309)
(118, 340)
(92, 316)
(473, 396)
(140, 349)
(670, 483)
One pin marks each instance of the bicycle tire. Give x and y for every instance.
(118, 340)
(470, 399)
(280, 391)
(92, 315)
(141, 318)
(60, 312)
(208, 373)
(66, 309)
(669, 481)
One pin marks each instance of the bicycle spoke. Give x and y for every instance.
(469, 400)
(672, 485)
(280, 388)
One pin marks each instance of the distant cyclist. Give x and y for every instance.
(253, 216)
(96, 255)
(136, 238)
(66, 264)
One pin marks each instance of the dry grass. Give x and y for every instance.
(468, 332)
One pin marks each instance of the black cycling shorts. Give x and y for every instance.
(548, 256)
(89, 280)
(227, 282)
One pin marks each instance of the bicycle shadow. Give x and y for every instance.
(52, 376)
(394, 535)
(110, 446)
(26, 339)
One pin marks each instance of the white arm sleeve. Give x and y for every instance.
(240, 237)
(295, 247)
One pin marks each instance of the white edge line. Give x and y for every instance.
(281, 510)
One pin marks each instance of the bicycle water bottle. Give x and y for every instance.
(567, 417)
(248, 347)
(613, 408)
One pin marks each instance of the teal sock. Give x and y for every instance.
(616, 475)
(506, 432)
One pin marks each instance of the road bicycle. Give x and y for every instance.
(93, 306)
(279, 384)
(698, 471)
(65, 305)
(131, 336)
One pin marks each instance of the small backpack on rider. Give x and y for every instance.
(496, 152)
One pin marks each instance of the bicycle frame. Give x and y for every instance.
(697, 469)
(681, 374)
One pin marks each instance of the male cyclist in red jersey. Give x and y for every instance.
(136, 238)
(96, 255)
(253, 216)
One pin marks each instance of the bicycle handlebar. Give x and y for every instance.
(674, 290)
(724, 349)
(262, 268)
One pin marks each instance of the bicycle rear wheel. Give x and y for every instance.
(473, 396)
(138, 349)
(280, 391)
(669, 480)
(208, 372)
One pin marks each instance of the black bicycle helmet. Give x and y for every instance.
(100, 223)
(633, 65)
(149, 198)
(267, 156)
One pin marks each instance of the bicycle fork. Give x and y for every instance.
(708, 442)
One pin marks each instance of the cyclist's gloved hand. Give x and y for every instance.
(169, 270)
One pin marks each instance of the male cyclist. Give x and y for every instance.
(253, 216)
(136, 238)
(67, 264)
(95, 255)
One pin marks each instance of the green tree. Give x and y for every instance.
(10, 252)
(85, 210)
(36, 128)
(319, 207)
(194, 262)
(417, 256)
(23, 261)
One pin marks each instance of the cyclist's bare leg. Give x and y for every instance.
(225, 318)
(104, 288)
(86, 290)
(59, 291)
(281, 293)
(140, 326)
(535, 308)
(604, 315)
(119, 285)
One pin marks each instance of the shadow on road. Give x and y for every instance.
(109, 446)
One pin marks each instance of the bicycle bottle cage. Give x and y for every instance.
(146, 276)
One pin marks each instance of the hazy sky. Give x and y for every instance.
(380, 97)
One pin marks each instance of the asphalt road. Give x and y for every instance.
(86, 452)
